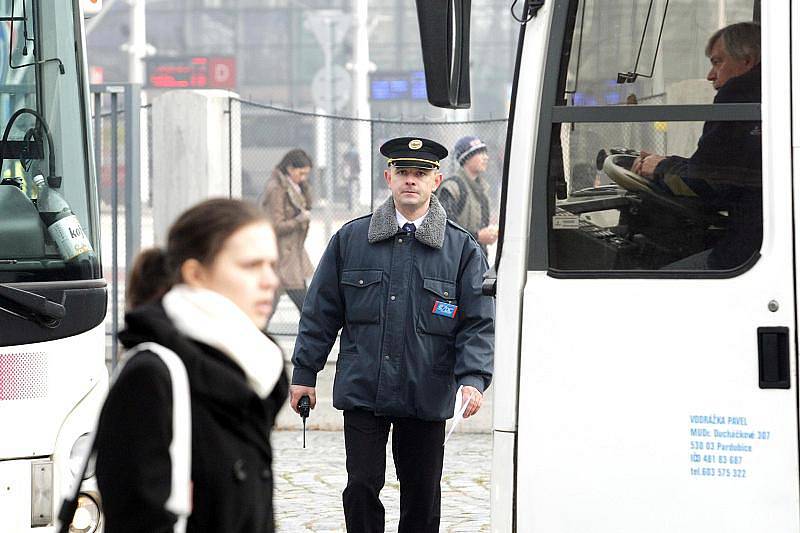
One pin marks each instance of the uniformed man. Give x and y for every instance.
(404, 287)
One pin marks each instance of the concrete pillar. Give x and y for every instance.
(196, 152)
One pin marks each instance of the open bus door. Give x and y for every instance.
(646, 358)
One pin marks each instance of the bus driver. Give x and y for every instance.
(725, 168)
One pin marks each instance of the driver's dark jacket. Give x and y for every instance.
(380, 285)
(725, 171)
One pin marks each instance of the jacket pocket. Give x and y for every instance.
(344, 360)
(362, 296)
(438, 292)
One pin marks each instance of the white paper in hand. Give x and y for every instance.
(458, 413)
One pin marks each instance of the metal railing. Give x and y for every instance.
(115, 119)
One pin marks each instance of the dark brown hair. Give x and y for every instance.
(149, 278)
(296, 158)
(199, 233)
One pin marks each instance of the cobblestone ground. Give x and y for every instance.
(309, 483)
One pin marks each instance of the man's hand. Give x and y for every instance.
(487, 235)
(645, 165)
(298, 391)
(474, 404)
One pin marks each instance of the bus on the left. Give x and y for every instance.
(53, 376)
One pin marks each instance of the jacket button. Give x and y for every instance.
(400, 240)
(386, 357)
(361, 282)
(266, 474)
(392, 297)
(239, 473)
(446, 293)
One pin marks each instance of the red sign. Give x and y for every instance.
(222, 72)
(199, 72)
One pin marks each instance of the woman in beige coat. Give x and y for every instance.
(287, 202)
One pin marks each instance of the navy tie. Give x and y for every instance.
(409, 227)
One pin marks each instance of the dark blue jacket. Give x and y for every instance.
(725, 171)
(380, 286)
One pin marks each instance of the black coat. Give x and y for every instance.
(398, 356)
(231, 455)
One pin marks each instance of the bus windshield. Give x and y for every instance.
(655, 139)
(47, 232)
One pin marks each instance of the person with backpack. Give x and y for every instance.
(172, 457)
(464, 195)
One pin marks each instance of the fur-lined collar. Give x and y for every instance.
(431, 232)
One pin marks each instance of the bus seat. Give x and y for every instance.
(21, 230)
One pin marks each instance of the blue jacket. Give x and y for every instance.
(380, 287)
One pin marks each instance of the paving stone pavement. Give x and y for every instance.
(309, 483)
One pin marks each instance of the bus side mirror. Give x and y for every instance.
(444, 35)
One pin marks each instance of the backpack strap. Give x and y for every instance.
(179, 501)
(461, 199)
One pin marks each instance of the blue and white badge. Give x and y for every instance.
(444, 309)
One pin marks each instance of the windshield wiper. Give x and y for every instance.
(31, 306)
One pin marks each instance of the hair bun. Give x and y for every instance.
(150, 278)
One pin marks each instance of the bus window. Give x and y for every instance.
(43, 118)
(655, 145)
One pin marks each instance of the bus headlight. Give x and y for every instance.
(77, 455)
(87, 516)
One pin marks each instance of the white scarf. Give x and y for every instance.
(211, 318)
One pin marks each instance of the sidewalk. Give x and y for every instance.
(309, 483)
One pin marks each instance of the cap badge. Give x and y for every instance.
(415, 144)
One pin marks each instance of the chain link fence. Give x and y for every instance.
(346, 180)
(347, 176)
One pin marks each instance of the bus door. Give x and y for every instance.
(657, 387)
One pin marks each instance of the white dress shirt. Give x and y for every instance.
(401, 220)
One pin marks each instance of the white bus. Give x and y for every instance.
(52, 300)
(637, 389)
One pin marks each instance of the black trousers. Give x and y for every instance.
(418, 456)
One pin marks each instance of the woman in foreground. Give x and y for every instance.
(207, 298)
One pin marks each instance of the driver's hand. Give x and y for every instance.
(645, 165)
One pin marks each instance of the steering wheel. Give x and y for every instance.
(617, 166)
